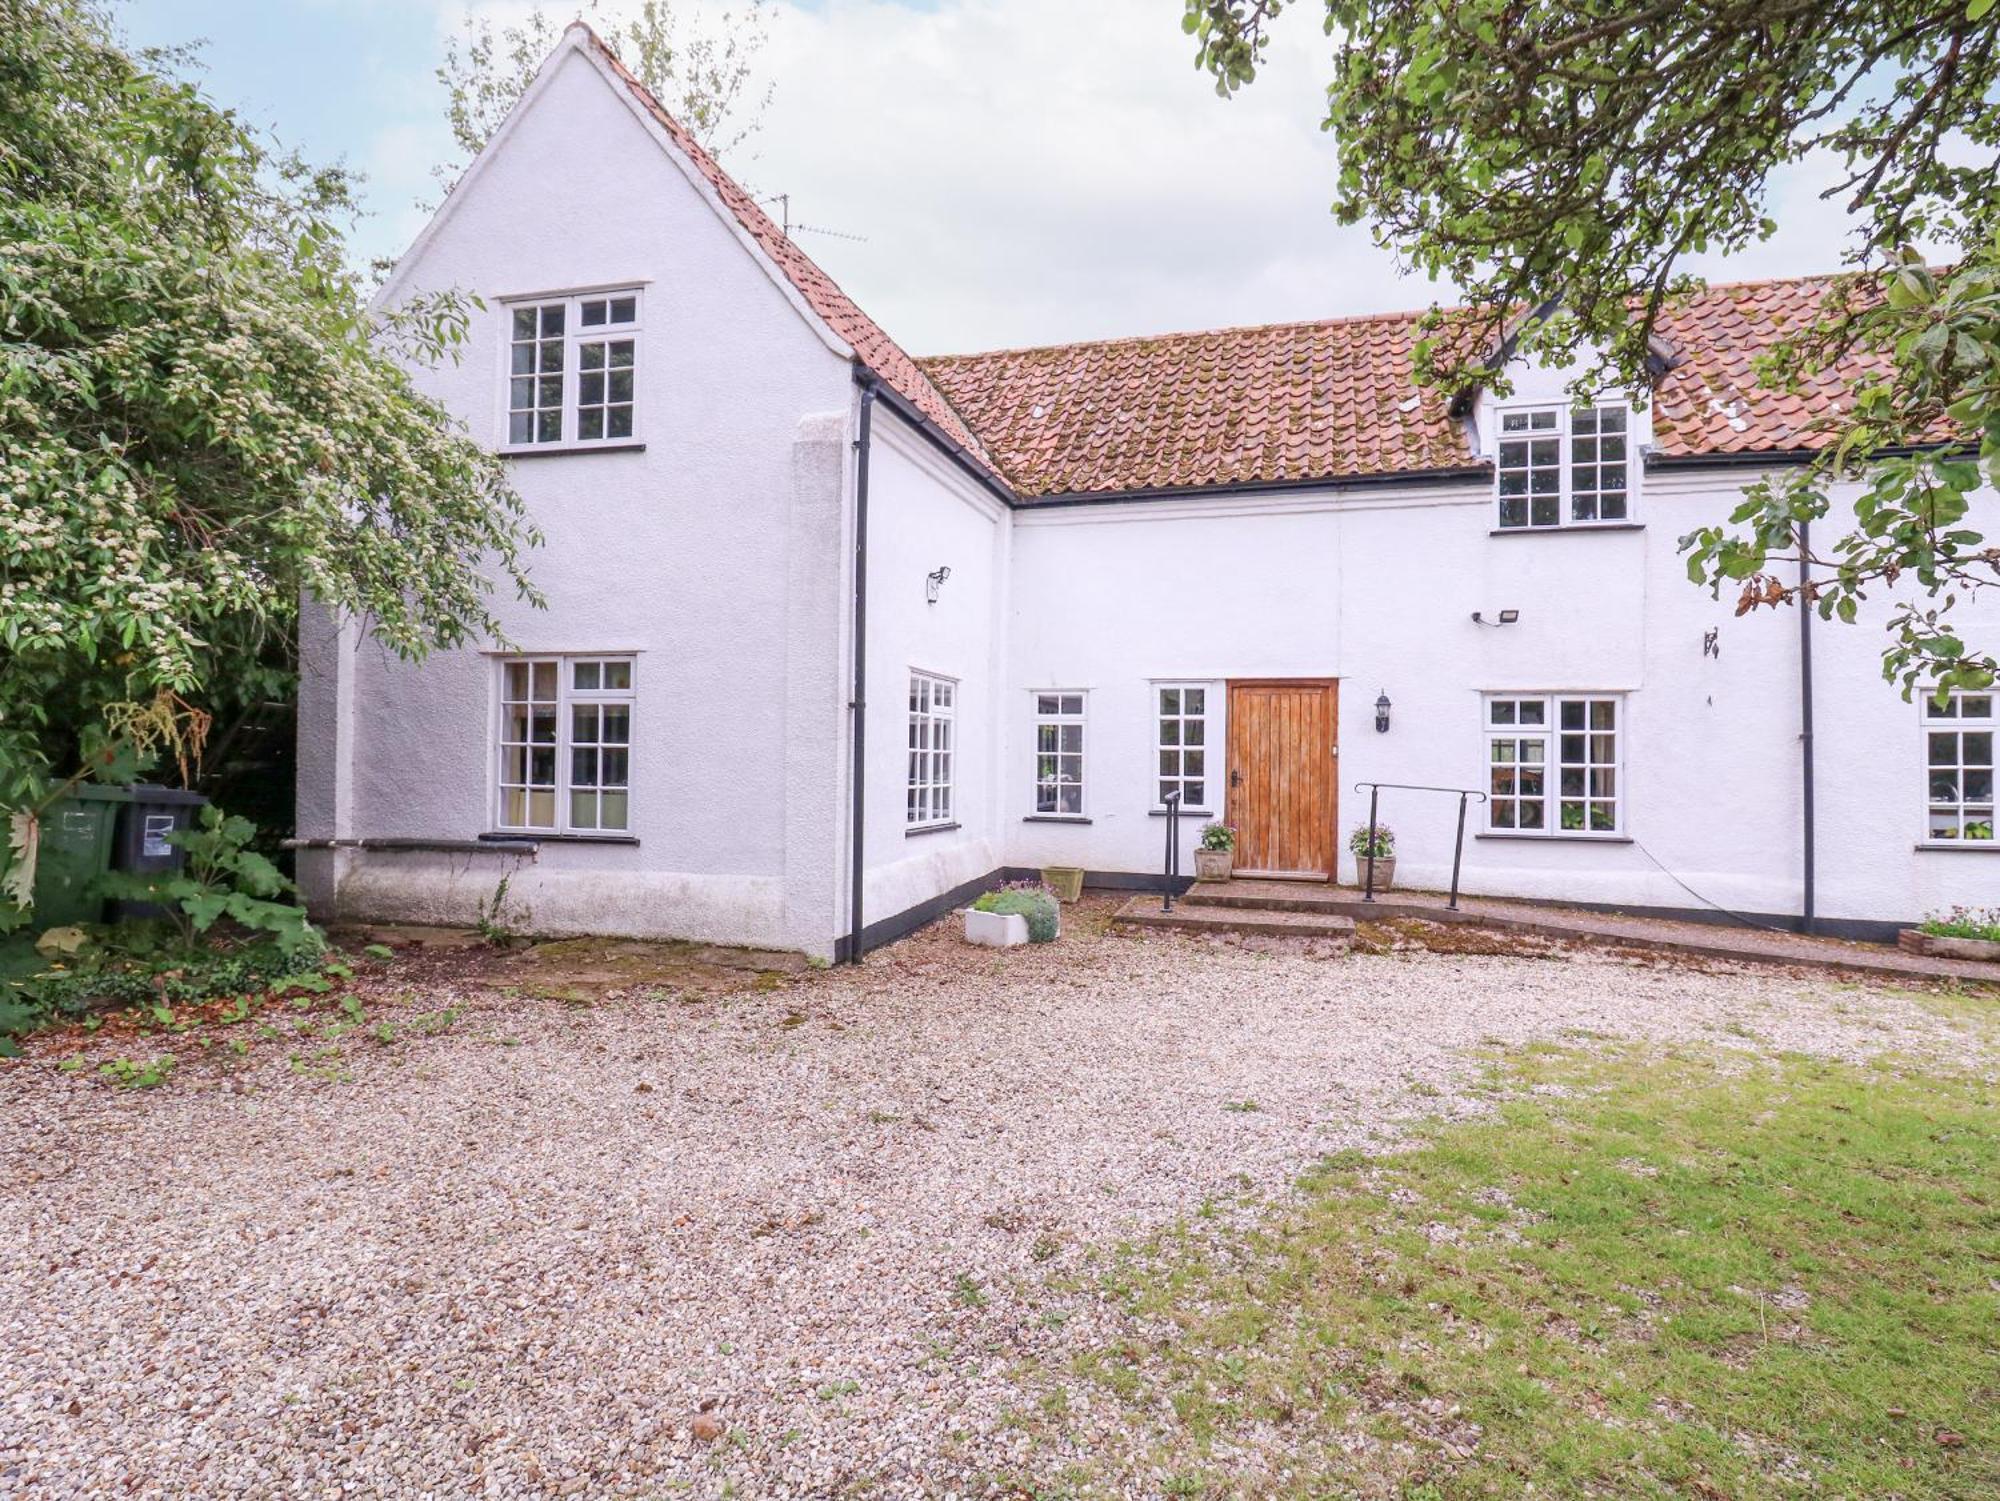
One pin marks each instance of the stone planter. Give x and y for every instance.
(1941, 947)
(1213, 865)
(1066, 881)
(995, 930)
(1385, 871)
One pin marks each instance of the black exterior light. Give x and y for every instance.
(933, 581)
(1382, 714)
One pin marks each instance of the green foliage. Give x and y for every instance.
(128, 1073)
(1964, 922)
(704, 73)
(200, 420)
(1649, 1274)
(223, 877)
(1218, 836)
(1037, 906)
(1384, 842)
(1560, 155)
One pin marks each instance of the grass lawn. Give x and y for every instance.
(1681, 1273)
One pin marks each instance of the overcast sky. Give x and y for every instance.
(1022, 171)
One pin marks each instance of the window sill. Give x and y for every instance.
(1565, 838)
(565, 450)
(1184, 813)
(929, 828)
(1961, 846)
(537, 836)
(1568, 529)
(1055, 818)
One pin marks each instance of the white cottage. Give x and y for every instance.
(835, 637)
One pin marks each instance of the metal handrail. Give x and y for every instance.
(1458, 846)
(1173, 863)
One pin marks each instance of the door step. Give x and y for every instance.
(1144, 912)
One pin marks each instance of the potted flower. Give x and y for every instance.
(1215, 855)
(1382, 847)
(1960, 933)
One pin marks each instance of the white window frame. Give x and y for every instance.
(568, 698)
(930, 785)
(1566, 439)
(1954, 806)
(1061, 768)
(1509, 763)
(1171, 774)
(575, 336)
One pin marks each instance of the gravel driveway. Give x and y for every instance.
(790, 1241)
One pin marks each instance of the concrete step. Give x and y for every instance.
(1313, 897)
(1144, 912)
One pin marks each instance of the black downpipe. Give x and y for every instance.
(1806, 715)
(858, 702)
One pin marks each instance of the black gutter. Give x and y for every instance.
(1397, 478)
(1806, 718)
(903, 407)
(858, 703)
(1764, 458)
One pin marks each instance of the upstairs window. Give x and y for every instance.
(1563, 467)
(572, 370)
(1059, 754)
(1958, 743)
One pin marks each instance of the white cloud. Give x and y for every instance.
(1027, 171)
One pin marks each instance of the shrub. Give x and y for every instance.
(1033, 903)
(1218, 836)
(1385, 842)
(1964, 922)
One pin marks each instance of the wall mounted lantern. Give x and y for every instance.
(1382, 715)
(1507, 617)
(934, 581)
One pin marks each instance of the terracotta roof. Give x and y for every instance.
(1337, 399)
(1289, 401)
(872, 346)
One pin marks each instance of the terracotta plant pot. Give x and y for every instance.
(1213, 865)
(1385, 871)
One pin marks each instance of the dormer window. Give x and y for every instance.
(1560, 466)
(572, 370)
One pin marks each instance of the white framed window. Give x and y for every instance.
(933, 715)
(1059, 754)
(1958, 767)
(572, 369)
(565, 744)
(1554, 764)
(1182, 733)
(1560, 466)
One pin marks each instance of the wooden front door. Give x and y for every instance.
(1284, 782)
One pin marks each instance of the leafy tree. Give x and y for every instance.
(705, 76)
(199, 421)
(1530, 150)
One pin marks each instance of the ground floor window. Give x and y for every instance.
(566, 744)
(1958, 743)
(1183, 743)
(1553, 764)
(1059, 753)
(932, 714)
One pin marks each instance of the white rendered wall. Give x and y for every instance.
(924, 514)
(716, 555)
(1376, 587)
